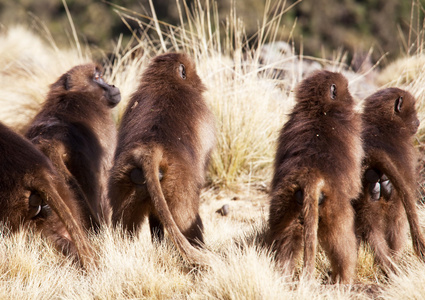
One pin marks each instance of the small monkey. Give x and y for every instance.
(386, 207)
(317, 173)
(164, 143)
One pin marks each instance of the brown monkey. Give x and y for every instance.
(389, 176)
(317, 172)
(75, 130)
(164, 144)
(32, 194)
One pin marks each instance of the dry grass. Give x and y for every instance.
(137, 269)
(250, 106)
(28, 65)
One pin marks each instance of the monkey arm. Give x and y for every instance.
(381, 160)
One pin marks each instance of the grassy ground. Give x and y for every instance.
(250, 105)
(133, 269)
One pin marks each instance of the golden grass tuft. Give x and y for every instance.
(28, 65)
(133, 268)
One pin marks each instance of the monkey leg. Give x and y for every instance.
(397, 228)
(378, 243)
(189, 222)
(372, 225)
(195, 232)
(133, 215)
(338, 239)
(156, 228)
(286, 236)
(129, 207)
(288, 246)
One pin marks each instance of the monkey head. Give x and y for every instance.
(87, 79)
(399, 107)
(183, 74)
(325, 89)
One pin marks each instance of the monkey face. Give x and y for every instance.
(88, 79)
(112, 93)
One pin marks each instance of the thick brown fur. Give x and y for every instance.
(164, 144)
(389, 128)
(317, 173)
(32, 194)
(75, 130)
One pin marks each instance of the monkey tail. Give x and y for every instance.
(385, 164)
(150, 164)
(75, 230)
(313, 186)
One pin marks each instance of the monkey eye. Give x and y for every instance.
(182, 71)
(35, 204)
(333, 91)
(398, 104)
(97, 76)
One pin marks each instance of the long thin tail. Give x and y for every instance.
(151, 170)
(407, 197)
(312, 191)
(75, 230)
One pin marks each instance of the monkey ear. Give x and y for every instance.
(398, 104)
(333, 91)
(182, 71)
(63, 82)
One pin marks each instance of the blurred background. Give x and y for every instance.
(317, 26)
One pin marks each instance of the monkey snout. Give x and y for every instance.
(114, 96)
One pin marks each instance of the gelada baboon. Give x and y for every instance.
(389, 180)
(75, 130)
(317, 172)
(164, 144)
(32, 194)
